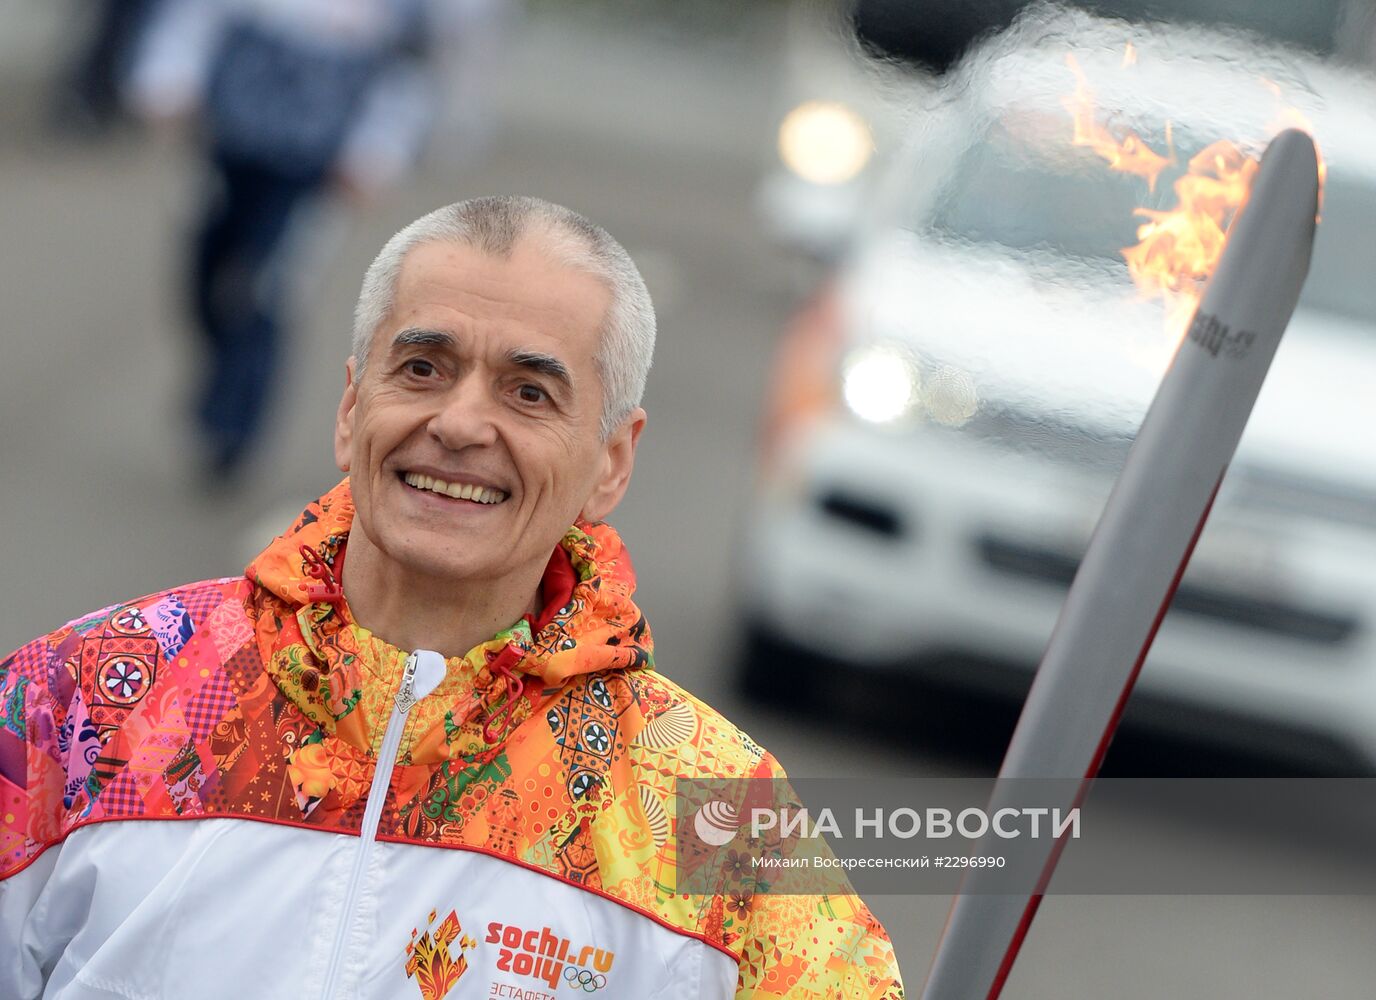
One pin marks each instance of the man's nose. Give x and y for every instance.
(467, 416)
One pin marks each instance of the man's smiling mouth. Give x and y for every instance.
(457, 491)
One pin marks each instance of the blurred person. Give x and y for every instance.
(88, 98)
(296, 99)
(487, 815)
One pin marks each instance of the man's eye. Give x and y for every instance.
(531, 394)
(419, 367)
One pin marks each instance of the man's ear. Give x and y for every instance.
(344, 420)
(618, 460)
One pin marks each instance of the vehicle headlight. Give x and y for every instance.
(825, 142)
(880, 382)
(950, 397)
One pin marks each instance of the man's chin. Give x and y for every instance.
(455, 568)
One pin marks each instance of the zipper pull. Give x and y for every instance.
(406, 694)
(425, 669)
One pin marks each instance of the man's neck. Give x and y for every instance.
(414, 611)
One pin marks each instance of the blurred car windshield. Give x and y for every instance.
(1028, 196)
(1025, 196)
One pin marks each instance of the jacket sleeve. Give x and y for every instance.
(809, 947)
(173, 57)
(34, 744)
(386, 139)
(804, 945)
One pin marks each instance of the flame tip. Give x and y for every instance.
(1177, 248)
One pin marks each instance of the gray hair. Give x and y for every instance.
(495, 225)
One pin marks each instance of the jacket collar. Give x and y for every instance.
(343, 678)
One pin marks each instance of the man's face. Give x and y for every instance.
(482, 381)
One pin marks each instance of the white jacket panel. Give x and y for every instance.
(226, 909)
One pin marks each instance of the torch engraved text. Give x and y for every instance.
(1215, 336)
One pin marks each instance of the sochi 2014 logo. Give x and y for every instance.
(430, 957)
(585, 979)
(546, 956)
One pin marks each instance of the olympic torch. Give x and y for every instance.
(1141, 546)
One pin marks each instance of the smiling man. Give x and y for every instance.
(419, 748)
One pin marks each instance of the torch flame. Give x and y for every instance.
(1130, 154)
(1289, 116)
(1177, 248)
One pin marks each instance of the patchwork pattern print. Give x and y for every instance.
(245, 697)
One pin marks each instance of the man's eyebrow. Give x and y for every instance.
(414, 337)
(543, 364)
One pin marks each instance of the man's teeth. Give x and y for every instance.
(459, 491)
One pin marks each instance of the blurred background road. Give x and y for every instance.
(659, 126)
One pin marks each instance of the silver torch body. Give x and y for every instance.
(1142, 544)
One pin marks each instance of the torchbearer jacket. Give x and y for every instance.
(233, 790)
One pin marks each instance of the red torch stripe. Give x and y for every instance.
(1030, 911)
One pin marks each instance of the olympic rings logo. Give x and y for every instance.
(585, 979)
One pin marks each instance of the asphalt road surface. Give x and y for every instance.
(661, 139)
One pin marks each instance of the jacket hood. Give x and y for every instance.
(343, 678)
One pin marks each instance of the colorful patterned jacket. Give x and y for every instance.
(233, 790)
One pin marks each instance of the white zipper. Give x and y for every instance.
(411, 691)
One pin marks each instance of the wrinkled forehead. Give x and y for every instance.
(535, 287)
